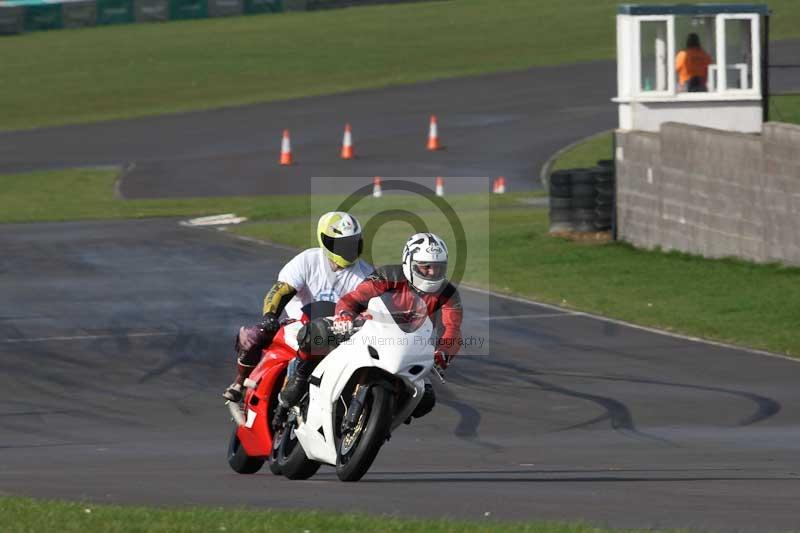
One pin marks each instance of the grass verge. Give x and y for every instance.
(31, 516)
(587, 152)
(785, 108)
(112, 72)
(86, 194)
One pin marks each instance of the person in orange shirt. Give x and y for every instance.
(692, 66)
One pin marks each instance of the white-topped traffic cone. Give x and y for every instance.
(347, 143)
(286, 149)
(439, 187)
(501, 185)
(376, 188)
(433, 135)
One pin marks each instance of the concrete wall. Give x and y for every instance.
(711, 192)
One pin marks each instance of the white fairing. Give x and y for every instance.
(398, 352)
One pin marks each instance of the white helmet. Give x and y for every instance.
(425, 262)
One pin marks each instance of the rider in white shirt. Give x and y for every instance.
(317, 274)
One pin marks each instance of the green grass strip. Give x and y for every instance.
(86, 194)
(785, 108)
(585, 154)
(19, 515)
(133, 70)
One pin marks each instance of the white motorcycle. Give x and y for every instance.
(365, 388)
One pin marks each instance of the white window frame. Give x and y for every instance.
(637, 56)
(755, 50)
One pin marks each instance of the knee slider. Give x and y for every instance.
(427, 402)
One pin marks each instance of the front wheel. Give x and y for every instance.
(357, 448)
(238, 459)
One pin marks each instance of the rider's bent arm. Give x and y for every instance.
(452, 315)
(277, 298)
(356, 301)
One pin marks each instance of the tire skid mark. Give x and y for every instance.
(470, 420)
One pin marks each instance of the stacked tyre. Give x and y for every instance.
(561, 202)
(584, 200)
(604, 187)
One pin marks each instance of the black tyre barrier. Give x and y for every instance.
(584, 189)
(584, 202)
(584, 219)
(582, 176)
(605, 188)
(582, 199)
(604, 217)
(561, 221)
(561, 184)
(560, 190)
(560, 203)
(602, 224)
(561, 177)
(561, 215)
(604, 180)
(605, 200)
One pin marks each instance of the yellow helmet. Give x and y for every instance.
(339, 236)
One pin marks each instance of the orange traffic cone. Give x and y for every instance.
(439, 187)
(347, 143)
(376, 187)
(501, 185)
(286, 149)
(433, 135)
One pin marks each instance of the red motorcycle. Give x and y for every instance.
(254, 441)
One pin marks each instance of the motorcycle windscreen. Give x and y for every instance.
(406, 309)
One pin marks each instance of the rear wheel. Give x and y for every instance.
(357, 448)
(288, 455)
(272, 460)
(238, 459)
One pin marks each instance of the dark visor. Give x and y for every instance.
(348, 248)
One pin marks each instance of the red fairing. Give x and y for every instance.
(269, 374)
(391, 279)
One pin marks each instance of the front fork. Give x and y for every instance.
(355, 409)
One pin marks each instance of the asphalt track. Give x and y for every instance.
(115, 341)
(115, 337)
(501, 124)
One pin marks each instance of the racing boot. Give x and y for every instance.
(248, 344)
(235, 391)
(296, 385)
(294, 389)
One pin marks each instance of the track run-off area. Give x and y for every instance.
(116, 336)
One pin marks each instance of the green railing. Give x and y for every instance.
(18, 16)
